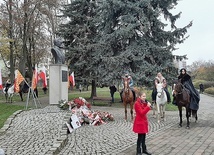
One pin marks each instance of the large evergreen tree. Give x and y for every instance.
(107, 37)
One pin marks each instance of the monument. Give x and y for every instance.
(58, 75)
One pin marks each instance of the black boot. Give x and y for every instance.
(138, 151)
(145, 151)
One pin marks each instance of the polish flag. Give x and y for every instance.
(42, 75)
(18, 80)
(71, 79)
(1, 86)
(34, 79)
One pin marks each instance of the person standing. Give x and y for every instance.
(113, 89)
(80, 88)
(141, 125)
(201, 86)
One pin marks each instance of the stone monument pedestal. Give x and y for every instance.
(58, 83)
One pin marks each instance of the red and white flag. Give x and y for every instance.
(71, 79)
(1, 86)
(18, 80)
(34, 79)
(42, 75)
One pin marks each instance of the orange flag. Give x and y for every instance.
(34, 79)
(18, 80)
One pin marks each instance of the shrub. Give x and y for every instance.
(207, 84)
(209, 90)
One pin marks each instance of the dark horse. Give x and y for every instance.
(182, 99)
(128, 97)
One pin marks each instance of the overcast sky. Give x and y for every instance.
(200, 44)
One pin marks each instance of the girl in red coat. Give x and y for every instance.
(140, 125)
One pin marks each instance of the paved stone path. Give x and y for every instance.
(42, 132)
(198, 140)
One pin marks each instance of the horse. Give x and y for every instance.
(9, 93)
(161, 100)
(128, 97)
(182, 99)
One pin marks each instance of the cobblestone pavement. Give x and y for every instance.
(42, 131)
(198, 140)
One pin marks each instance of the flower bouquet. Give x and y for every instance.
(63, 104)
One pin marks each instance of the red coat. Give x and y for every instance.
(141, 122)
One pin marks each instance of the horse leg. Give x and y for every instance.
(153, 107)
(163, 109)
(187, 116)
(131, 110)
(196, 116)
(11, 99)
(6, 97)
(180, 115)
(158, 112)
(125, 105)
(20, 94)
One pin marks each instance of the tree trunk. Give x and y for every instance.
(93, 89)
(12, 69)
(24, 39)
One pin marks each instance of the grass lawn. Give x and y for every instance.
(6, 110)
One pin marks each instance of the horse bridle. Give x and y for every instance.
(126, 86)
(161, 92)
(179, 92)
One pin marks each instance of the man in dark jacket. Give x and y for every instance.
(113, 89)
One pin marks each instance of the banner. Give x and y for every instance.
(42, 75)
(71, 79)
(34, 78)
(1, 86)
(18, 80)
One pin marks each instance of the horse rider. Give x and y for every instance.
(187, 83)
(160, 79)
(131, 84)
(7, 85)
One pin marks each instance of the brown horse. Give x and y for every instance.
(128, 97)
(182, 99)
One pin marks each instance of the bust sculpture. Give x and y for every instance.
(57, 53)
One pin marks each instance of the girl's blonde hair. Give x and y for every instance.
(140, 93)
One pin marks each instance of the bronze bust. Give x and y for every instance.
(57, 53)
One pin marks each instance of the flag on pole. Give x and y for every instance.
(42, 75)
(71, 79)
(18, 80)
(1, 86)
(34, 78)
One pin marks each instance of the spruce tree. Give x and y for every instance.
(108, 37)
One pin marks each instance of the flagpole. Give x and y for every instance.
(35, 98)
